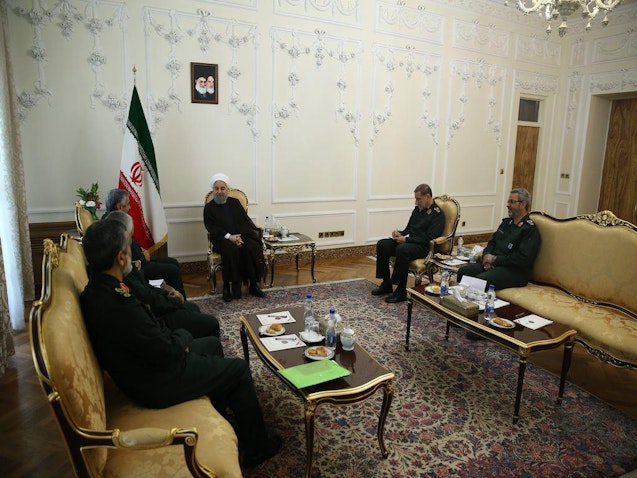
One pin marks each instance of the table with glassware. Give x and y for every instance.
(519, 339)
(292, 243)
(366, 378)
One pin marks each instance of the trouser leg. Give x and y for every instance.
(405, 253)
(384, 250)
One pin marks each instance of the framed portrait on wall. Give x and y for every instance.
(203, 83)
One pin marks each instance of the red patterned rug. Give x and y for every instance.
(452, 408)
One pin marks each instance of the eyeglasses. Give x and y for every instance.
(511, 201)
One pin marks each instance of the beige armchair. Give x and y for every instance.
(214, 258)
(83, 219)
(443, 244)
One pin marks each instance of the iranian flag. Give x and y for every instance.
(139, 176)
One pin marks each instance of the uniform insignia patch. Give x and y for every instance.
(510, 246)
(530, 222)
(123, 289)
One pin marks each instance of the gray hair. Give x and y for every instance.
(102, 242)
(524, 196)
(121, 217)
(423, 189)
(114, 198)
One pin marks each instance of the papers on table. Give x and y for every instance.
(500, 303)
(533, 321)
(282, 342)
(157, 283)
(473, 283)
(282, 317)
(314, 373)
(288, 238)
(453, 262)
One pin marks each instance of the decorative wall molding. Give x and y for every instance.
(475, 37)
(617, 47)
(575, 81)
(406, 61)
(536, 49)
(621, 81)
(536, 83)
(251, 4)
(345, 12)
(481, 72)
(97, 17)
(579, 52)
(174, 28)
(320, 48)
(413, 23)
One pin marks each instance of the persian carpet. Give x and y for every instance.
(451, 415)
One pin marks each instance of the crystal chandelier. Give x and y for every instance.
(551, 9)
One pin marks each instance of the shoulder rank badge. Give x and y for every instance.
(123, 289)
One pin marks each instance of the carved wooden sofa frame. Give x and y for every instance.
(585, 277)
(106, 435)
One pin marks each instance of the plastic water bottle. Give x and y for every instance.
(267, 227)
(330, 332)
(460, 250)
(308, 313)
(444, 282)
(489, 307)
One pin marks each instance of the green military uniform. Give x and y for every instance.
(158, 367)
(515, 247)
(175, 313)
(423, 226)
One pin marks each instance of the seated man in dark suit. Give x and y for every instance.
(153, 364)
(508, 258)
(166, 302)
(426, 223)
(166, 268)
(236, 238)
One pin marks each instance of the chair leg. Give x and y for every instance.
(213, 279)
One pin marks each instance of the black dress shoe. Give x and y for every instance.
(384, 288)
(227, 295)
(256, 291)
(272, 448)
(398, 296)
(236, 290)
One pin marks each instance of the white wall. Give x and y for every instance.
(330, 112)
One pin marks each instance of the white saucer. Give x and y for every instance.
(510, 326)
(263, 331)
(431, 291)
(311, 339)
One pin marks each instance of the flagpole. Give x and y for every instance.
(134, 75)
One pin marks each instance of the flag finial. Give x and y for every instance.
(134, 75)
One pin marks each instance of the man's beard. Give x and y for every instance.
(128, 268)
(220, 199)
(200, 89)
(210, 90)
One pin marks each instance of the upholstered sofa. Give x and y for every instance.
(106, 434)
(585, 276)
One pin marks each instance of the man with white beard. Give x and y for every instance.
(200, 88)
(236, 238)
(210, 88)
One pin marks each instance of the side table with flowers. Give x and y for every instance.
(90, 199)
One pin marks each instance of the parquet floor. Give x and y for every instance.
(31, 445)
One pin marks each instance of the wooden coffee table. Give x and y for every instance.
(303, 243)
(521, 341)
(366, 378)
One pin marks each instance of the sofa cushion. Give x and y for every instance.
(603, 328)
(597, 262)
(216, 446)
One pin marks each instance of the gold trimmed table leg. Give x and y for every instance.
(310, 409)
(388, 395)
(566, 364)
(518, 393)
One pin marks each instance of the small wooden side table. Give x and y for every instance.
(294, 244)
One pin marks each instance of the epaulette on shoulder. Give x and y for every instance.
(530, 222)
(436, 208)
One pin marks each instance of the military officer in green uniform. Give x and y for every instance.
(154, 365)
(507, 261)
(427, 222)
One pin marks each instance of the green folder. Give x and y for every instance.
(313, 373)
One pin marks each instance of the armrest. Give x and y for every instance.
(437, 242)
(144, 438)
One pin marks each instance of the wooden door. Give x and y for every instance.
(525, 157)
(618, 191)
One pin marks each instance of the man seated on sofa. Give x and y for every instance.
(154, 365)
(507, 260)
(166, 268)
(427, 222)
(166, 302)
